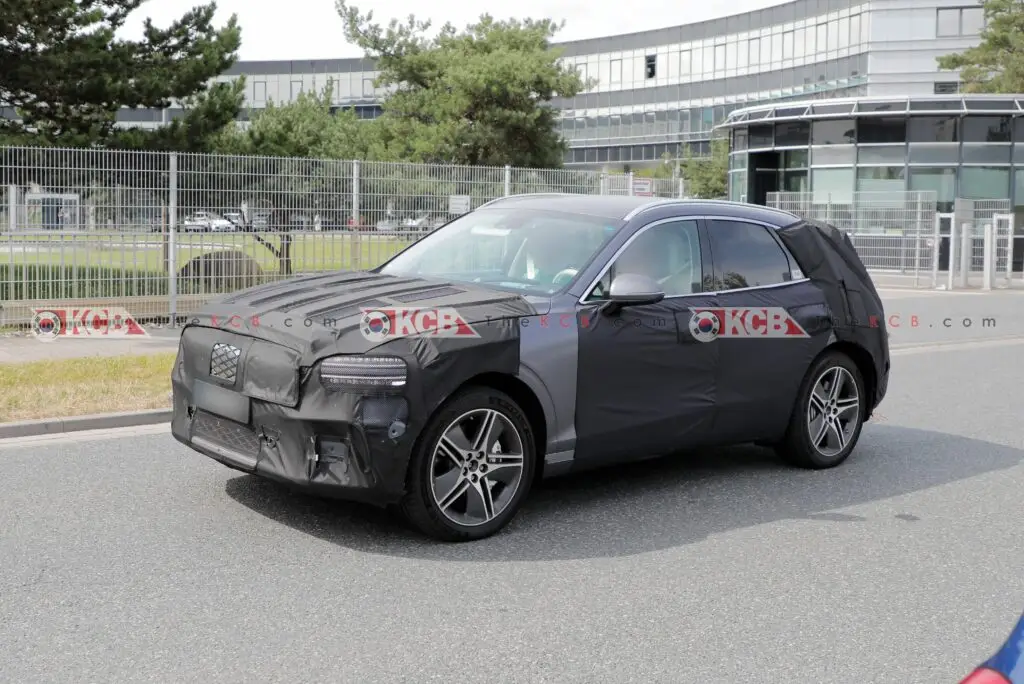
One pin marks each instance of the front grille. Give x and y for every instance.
(224, 361)
(227, 433)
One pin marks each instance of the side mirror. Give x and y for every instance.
(633, 289)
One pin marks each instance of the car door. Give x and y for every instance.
(759, 287)
(646, 385)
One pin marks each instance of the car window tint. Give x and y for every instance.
(668, 253)
(746, 255)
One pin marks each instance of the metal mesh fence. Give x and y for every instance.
(159, 233)
(892, 231)
(973, 227)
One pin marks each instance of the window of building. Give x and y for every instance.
(948, 22)
(368, 87)
(259, 91)
(615, 71)
(719, 58)
(940, 181)
(981, 129)
(881, 179)
(650, 66)
(822, 37)
(972, 21)
(947, 87)
(739, 139)
(792, 133)
(833, 132)
(933, 129)
(833, 186)
(755, 51)
(685, 68)
(746, 255)
(979, 182)
(668, 253)
(882, 130)
(960, 21)
(761, 136)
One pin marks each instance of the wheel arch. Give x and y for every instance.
(865, 364)
(525, 397)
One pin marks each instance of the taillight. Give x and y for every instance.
(985, 676)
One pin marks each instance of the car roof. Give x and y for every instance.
(625, 207)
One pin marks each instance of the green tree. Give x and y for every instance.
(996, 64)
(67, 74)
(480, 96)
(708, 177)
(666, 169)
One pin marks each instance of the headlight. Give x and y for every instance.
(363, 372)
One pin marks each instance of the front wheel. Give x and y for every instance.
(472, 468)
(828, 416)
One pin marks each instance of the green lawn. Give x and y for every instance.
(145, 252)
(132, 265)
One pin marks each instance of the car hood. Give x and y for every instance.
(317, 315)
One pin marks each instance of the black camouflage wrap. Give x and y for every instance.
(283, 331)
(827, 256)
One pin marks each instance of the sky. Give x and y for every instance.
(311, 29)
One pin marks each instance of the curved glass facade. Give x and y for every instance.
(968, 147)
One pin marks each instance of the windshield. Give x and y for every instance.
(531, 251)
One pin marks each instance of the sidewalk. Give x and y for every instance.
(24, 349)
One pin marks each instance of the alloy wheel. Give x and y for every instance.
(476, 467)
(833, 411)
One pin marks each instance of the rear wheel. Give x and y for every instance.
(828, 416)
(472, 468)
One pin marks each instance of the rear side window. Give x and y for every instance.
(746, 255)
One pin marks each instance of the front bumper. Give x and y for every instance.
(337, 444)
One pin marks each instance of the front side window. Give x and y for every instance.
(525, 250)
(668, 253)
(746, 255)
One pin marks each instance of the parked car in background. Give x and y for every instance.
(1007, 665)
(206, 222)
(588, 331)
(236, 219)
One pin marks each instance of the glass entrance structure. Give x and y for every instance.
(959, 146)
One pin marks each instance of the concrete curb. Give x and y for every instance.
(103, 421)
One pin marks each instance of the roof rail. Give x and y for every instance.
(526, 194)
(668, 202)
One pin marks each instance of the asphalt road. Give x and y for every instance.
(126, 557)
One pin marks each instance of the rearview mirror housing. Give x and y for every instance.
(633, 289)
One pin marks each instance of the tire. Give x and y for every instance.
(432, 471)
(798, 446)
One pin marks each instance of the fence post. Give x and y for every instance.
(966, 253)
(12, 210)
(989, 257)
(355, 192)
(508, 180)
(682, 192)
(918, 225)
(604, 183)
(953, 250)
(172, 246)
(629, 179)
